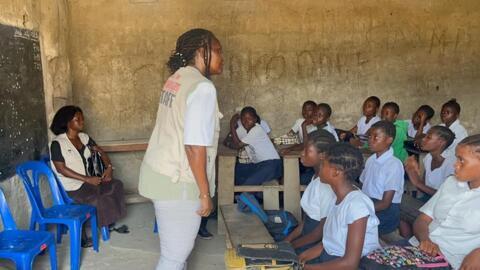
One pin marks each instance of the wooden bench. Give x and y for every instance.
(242, 228)
(131, 196)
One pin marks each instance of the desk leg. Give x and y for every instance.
(226, 182)
(291, 186)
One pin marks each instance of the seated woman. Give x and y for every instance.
(71, 158)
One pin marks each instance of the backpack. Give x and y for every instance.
(279, 223)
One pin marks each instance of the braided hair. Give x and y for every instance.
(347, 158)
(443, 133)
(321, 140)
(187, 45)
(473, 142)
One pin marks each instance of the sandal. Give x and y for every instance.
(122, 229)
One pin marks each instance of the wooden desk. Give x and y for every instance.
(124, 145)
(291, 183)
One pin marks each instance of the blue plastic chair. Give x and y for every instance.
(71, 215)
(67, 200)
(20, 246)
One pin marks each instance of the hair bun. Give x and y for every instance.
(176, 61)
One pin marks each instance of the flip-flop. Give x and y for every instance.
(122, 229)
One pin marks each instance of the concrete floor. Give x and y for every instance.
(137, 250)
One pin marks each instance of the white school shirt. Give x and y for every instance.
(460, 134)
(199, 127)
(383, 174)
(297, 128)
(363, 127)
(412, 131)
(354, 206)
(330, 128)
(259, 146)
(318, 199)
(436, 177)
(456, 214)
(242, 132)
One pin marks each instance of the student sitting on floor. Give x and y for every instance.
(321, 117)
(449, 115)
(266, 164)
(437, 168)
(308, 109)
(448, 224)
(351, 227)
(318, 198)
(383, 177)
(390, 111)
(419, 125)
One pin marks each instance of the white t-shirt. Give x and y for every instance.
(456, 214)
(363, 127)
(460, 134)
(436, 177)
(259, 146)
(412, 131)
(297, 128)
(330, 128)
(199, 128)
(242, 132)
(383, 174)
(318, 199)
(354, 206)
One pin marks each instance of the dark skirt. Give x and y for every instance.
(108, 198)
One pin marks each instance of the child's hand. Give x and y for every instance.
(411, 165)
(423, 117)
(355, 142)
(342, 136)
(471, 261)
(310, 253)
(429, 247)
(307, 122)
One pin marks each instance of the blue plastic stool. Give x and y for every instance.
(67, 200)
(22, 247)
(71, 215)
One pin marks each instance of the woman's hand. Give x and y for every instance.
(107, 174)
(429, 247)
(206, 206)
(93, 180)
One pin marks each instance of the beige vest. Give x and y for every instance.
(73, 160)
(166, 151)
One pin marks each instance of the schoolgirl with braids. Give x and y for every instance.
(351, 227)
(178, 169)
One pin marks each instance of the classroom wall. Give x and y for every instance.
(49, 18)
(277, 54)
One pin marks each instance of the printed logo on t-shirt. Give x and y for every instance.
(169, 92)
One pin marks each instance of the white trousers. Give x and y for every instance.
(178, 224)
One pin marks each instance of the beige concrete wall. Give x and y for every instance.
(49, 18)
(277, 54)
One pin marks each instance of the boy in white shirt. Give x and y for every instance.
(266, 164)
(419, 125)
(350, 230)
(449, 115)
(320, 119)
(449, 222)
(308, 109)
(383, 177)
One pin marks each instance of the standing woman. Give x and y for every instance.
(178, 170)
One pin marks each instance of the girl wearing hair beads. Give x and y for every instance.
(178, 169)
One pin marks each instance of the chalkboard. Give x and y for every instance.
(23, 125)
